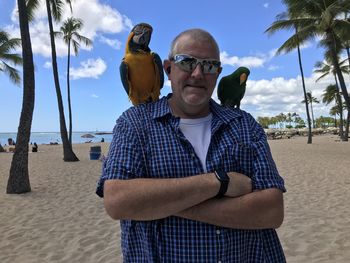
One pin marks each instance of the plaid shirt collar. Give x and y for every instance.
(226, 115)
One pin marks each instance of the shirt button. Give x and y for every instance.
(218, 232)
(219, 261)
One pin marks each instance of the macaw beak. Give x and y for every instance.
(242, 78)
(142, 39)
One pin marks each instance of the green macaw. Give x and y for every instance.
(141, 71)
(231, 88)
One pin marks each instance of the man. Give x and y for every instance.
(189, 180)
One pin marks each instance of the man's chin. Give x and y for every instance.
(196, 100)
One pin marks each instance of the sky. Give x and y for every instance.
(98, 97)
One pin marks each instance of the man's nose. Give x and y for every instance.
(198, 71)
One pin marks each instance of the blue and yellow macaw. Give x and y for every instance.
(141, 70)
(231, 88)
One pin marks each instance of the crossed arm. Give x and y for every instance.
(194, 198)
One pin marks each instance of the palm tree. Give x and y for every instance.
(321, 18)
(332, 92)
(18, 181)
(289, 119)
(340, 42)
(281, 118)
(346, 39)
(326, 68)
(285, 20)
(311, 100)
(7, 44)
(69, 32)
(54, 10)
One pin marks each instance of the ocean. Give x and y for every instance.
(55, 137)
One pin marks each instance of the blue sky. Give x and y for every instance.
(98, 97)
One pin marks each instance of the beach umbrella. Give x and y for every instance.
(88, 135)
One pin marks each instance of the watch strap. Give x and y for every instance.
(224, 180)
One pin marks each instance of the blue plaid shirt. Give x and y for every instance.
(148, 143)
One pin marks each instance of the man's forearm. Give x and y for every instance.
(256, 210)
(149, 199)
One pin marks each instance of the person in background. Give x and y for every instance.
(190, 180)
(35, 147)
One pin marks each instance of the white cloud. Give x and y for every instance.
(89, 69)
(271, 97)
(249, 61)
(114, 43)
(306, 45)
(94, 96)
(273, 67)
(48, 64)
(97, 18)
(266, 5)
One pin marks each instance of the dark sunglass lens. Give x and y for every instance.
(186, 63)
(209, 67)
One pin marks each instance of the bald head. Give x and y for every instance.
(196, 35)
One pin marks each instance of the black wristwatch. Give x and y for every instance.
(224, 180)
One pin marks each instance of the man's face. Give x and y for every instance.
(192, 90)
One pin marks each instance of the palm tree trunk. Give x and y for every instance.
(68, 94)
(312, 115)
(340, 77)
(348, 52)
(18, 181)
(68, 154)
(309, 139)
(348, 119)
(339, 103)
(347, 127)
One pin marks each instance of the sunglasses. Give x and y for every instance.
(189, 63)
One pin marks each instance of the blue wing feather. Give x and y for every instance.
(159, 64)
(123, 70)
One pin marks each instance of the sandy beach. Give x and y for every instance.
(62, 220)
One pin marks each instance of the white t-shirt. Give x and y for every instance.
(198, 132)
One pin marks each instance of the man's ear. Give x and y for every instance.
(219, 70)
(167, 68)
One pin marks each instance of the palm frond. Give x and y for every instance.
(58, 34)
(7, 43)
(11, 72)
(15, 59)
(322, 76)
(87, 42)
(69, 32)
(56, 9)
(329, 94)
(32, 5)
(76, 46)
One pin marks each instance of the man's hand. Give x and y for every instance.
(240, 184)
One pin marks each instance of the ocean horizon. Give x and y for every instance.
(55, 137)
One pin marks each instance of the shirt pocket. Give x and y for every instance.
(243, 156)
